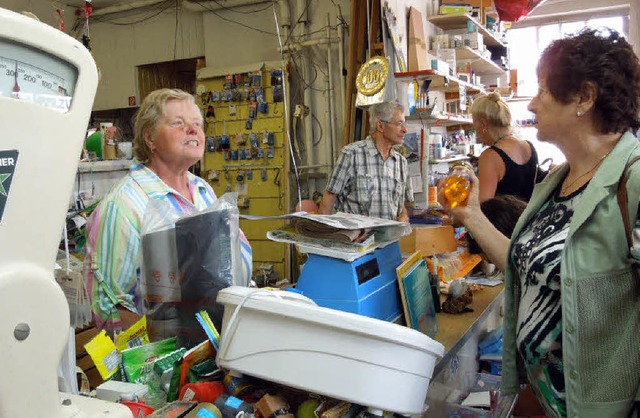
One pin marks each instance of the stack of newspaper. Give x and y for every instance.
(341, 235)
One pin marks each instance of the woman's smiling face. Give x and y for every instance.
(179, 137)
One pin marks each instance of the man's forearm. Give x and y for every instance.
(404, 215)
(327, 203)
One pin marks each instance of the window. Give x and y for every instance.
(524, 56)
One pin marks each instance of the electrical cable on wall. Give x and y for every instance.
(285, 92)
(175, 32)
(88, 8)
(214, 11)
(60, 12)
(156, 10)
(238, 11)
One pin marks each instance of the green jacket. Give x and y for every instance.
(600, 304)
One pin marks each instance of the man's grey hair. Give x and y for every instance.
(382, 112)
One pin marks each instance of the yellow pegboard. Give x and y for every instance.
(266, 197)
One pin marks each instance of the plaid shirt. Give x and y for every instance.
(366, 184)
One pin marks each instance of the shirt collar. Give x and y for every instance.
(373, 150)
(153, 184)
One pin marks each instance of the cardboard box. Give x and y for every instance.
(417, 48)
(454, 9)
(474, 3)
(473, 40)
(429, 238)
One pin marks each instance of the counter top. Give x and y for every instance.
(455, 329)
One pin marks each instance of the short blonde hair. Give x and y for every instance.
(493, 109)
(149, 116)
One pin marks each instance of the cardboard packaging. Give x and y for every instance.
(417, 49)
(473, 3)
(272, 406)
(473, 40)
(455, 9)
(429, 238)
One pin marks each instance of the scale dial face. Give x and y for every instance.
(36, 76)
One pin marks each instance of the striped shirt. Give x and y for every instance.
(366, 184)
(112, 262)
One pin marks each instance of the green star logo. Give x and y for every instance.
(3, 177)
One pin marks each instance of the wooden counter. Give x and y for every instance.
(455, 330)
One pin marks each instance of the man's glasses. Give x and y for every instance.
(397, 123)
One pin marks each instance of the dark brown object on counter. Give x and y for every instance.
(456, 305)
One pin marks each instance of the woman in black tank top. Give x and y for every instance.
(509, 165)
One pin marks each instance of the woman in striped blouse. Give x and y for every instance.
(169, 139)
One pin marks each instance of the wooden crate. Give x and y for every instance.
(83, 360)
(429, 239)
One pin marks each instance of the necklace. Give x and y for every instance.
(500, 139)
(564, 189)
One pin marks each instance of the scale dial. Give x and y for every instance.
(36, 76)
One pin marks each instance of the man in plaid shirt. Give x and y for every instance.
(370, 177)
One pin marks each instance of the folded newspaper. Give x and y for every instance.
(341, 235)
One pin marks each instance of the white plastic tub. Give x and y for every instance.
(284, 337)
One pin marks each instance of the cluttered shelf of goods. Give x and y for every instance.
(463, 21)
(439, 81)
(478, 63)
(360, 326)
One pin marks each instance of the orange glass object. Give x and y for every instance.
(458, 184)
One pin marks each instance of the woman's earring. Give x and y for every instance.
(578, 113)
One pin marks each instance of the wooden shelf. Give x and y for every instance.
(519, 99)
(450, 160)
(439, 81)
(105, 165)
(460, 21)
(479, 64)
(441, 120)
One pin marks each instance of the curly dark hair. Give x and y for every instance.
(603, 58)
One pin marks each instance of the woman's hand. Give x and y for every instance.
(492, 242)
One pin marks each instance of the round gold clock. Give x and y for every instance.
(372, 75)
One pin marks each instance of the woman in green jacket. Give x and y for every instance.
(572, 305)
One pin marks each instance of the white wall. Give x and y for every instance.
(119, 49)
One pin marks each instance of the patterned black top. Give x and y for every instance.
(537, 252)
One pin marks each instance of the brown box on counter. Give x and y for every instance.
(273, 406)
(429, 238)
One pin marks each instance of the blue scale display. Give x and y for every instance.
(367, 286)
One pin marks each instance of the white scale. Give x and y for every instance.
(48, 82)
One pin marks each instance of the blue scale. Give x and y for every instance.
(367, 286)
